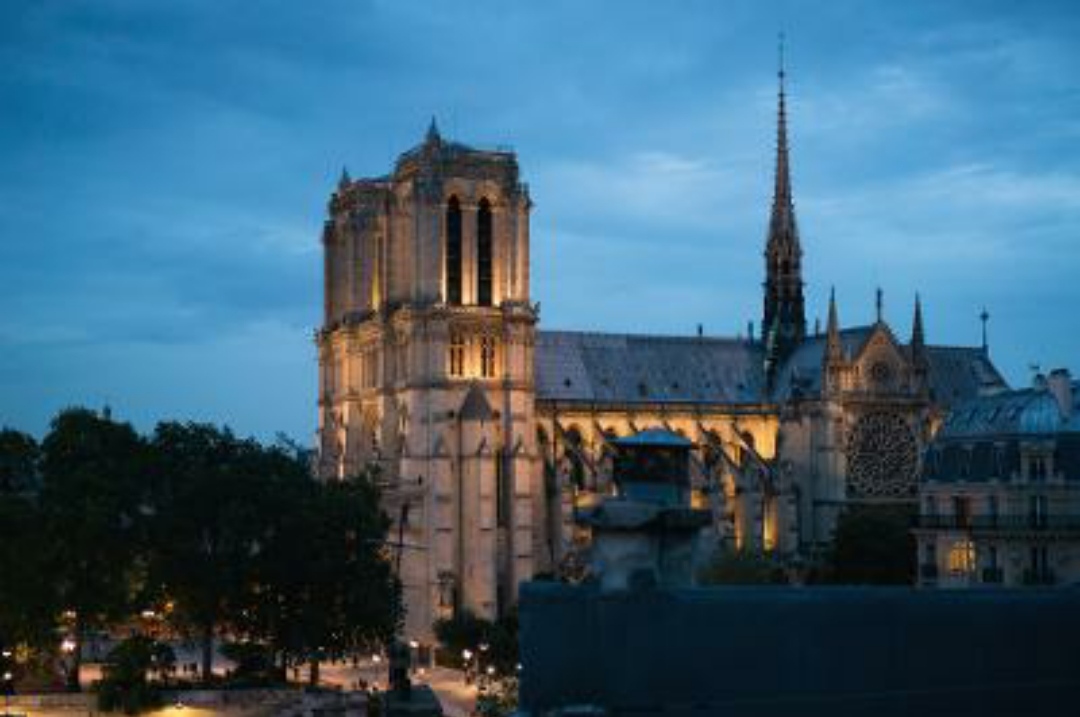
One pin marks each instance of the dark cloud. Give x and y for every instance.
(165, 168)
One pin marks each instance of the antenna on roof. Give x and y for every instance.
(984, 317)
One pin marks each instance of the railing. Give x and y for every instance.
(1069, 523)
(993, 576)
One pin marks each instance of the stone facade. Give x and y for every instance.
(437, 393)
(491, 435)
(1000, 495)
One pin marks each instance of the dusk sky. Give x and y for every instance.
(165, 168)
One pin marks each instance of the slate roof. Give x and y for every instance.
(980, 439)
(959, 373)
(956, 372)
(627, 368)
(1026, 411)
(801, 373)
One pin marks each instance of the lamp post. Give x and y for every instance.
(8, 679)
(466, 656)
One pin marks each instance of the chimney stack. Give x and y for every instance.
(1060, 385)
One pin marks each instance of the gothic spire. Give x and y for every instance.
(433, 135)
(918, 338)
(832, 341)
(784, 305)
(782, 226)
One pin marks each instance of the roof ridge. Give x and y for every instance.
(627, 335)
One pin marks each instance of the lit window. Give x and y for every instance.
(457, 356)
(962, 557)
(487, 357)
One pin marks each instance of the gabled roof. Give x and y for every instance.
(475, 407)
(801, 373)
(627, 368)
(955, 373)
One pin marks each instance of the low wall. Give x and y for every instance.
(86, 702)
(805, 651)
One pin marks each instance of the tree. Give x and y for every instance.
(27, 600)
(493, 642)
(28, 605)
(873, 545)
(742, 567)
(20, 462)
(91, 500)
(124, 684)
(209, 490)
(327, 588)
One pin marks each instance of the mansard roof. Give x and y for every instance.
(628, 368)
(1022, 412)
(981, 437)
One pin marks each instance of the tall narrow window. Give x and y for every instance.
(487, 357)
(457, 356)
(483, 254)
(502, 491)
(453, 251)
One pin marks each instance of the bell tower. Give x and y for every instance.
(784, 322)
(426, 369)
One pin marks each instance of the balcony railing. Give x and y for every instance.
(1058, 523)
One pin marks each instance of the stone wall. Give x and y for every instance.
(812, 651)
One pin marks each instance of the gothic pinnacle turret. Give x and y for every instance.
(833, 351)
(785, 315)
(918, 337)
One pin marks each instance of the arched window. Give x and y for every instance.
(483, 254)
(453, 251)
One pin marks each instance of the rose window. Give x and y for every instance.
(882, 456)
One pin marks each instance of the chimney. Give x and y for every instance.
(1060, 385)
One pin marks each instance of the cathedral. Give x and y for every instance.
(490, 434)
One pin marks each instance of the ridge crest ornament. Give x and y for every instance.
(883, 457)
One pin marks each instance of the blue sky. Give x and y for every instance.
(164, 171)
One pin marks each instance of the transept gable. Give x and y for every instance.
(881, 363)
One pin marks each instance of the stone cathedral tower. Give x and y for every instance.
(426, 369)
